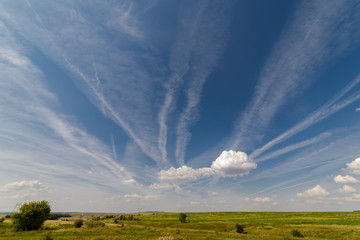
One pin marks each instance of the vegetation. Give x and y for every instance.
(183, 217)
(31, 216)
(56, 216)
(239, 228)
(296, 233)
(93, 224)
(203, 226)
(78, 223)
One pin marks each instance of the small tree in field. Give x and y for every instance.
(183, 217)
(239, 228)
(31, 216)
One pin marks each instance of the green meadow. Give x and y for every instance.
(219, 225)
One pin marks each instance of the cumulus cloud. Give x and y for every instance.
(164, 186)
(346, 189)
(228, 164)
(264, 199)
(232, 163)
(129, 181)
(185, 173)
(345, 179)
(357, 110)
(316, 191)
(22, 189)
(137, 196)
(354, 166)
(34, 184)
(354, 198)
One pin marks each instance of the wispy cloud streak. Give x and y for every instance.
(36, 139)
(293, 147)
(73, 44)
(331, 107)
(210, 44)
(320, 30)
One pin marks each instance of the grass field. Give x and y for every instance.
(258, 225)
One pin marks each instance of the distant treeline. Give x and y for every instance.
(56, 216)
(117, 218)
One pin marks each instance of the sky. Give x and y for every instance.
(128, 106)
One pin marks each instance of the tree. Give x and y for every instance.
(31, 216)
(183, 217)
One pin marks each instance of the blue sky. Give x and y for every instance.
(121, 106)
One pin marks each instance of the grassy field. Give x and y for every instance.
(166, 226)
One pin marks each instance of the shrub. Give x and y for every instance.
(296, 233)
(48, 237)
(92, 224)
(31, 216)
(2, 219)
(239, 228)
(183, 217)
(78, 223)
(7, 216)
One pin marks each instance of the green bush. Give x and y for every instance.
(182, 217)
(296, 233)
(7, 216)
(78, 223)
(239, 228)
(92, 224)
(2, 219)
(31, 216)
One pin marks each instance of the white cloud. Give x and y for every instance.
(346, 189)
(185, 173)
(138, 196)
(345, 179)
(164, 186)
(22, 189)
(264, 199)
(357, 110)
(228, 164)
(194, 203)
(231, 163)
(354, 198)
(316, 191)
(129, 181)
(354, 166)
(212, 194)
